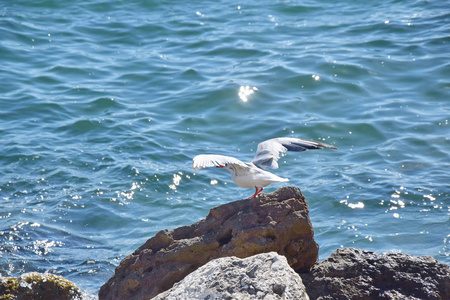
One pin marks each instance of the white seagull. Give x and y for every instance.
(251, 174)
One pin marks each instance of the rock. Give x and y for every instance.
(265, 276)
(278, 222)
(357, 274)
(32, 286)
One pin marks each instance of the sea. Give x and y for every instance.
(104, 104)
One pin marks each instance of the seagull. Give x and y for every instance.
(253, 174)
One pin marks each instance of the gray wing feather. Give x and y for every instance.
(268, 152)
(213, 160)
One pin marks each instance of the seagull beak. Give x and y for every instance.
(219, 166)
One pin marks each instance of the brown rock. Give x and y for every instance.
(278, 222)
(357, 274)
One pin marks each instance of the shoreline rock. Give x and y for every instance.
(262, 276)
(245, 250)
(359, 274)
(30, 286)
(347, 274)
(165, 266)
(277, 222)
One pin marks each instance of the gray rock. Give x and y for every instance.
(265, 276)
(278, 222)
(357, 274)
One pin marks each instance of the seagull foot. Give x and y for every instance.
(256, 193)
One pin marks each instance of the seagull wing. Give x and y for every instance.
(268, 152)
(213, 160)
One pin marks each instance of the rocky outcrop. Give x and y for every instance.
(32, 286)
(357, 274)
(347, 274)
(262, 276)
(278, 222)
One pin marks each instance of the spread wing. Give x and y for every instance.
(213, 160)
(268, 152)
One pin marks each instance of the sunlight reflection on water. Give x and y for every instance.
(245, 92)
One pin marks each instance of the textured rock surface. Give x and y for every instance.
(32, 286)
(357, 274)
(278, 222)
(263, 276)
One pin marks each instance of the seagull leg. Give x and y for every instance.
(256, 192)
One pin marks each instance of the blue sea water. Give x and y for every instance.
(105, 103)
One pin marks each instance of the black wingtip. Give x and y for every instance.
(323, 145)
